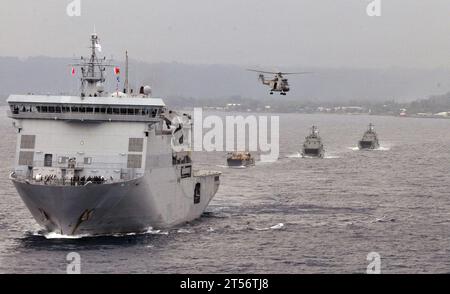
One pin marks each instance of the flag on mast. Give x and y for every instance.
(98, 46)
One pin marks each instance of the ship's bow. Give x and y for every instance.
(72, 210)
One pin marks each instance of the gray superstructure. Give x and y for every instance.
(105, 163)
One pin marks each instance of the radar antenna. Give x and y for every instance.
(92, 70)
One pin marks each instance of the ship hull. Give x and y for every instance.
(239, 162)
(368, 145)
(126, 207)
(313, 152)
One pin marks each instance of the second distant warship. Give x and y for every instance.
(104, 163)
(313, 146)
(369, 139)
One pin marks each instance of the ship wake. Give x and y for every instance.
(58, 236)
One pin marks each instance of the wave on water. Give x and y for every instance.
(274, 227)
(149, 231)
(277, 226)
(384, 219)
(56, 236)
(232, 167)
(156, 232)
(295, 155)
(381, 148)
(222, 166)
(299, 155)
(53, 235)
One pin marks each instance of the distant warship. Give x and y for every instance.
(369, 139)
(105, 163)
(313, 147)
(236, 159)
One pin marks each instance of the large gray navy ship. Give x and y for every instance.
(313, 146)
(106, 163)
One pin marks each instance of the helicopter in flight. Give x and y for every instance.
(279, 83)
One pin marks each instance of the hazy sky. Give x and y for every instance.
(317, 33)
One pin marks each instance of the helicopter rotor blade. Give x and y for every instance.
(260, 71)
(281, 73)
(295, 73)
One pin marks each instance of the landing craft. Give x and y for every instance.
(240, 159)
(278, 83)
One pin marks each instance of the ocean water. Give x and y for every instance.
(291, 216)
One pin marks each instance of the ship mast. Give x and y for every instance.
(126, 84)
(92, 71)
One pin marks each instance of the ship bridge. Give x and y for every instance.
(74, 108)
